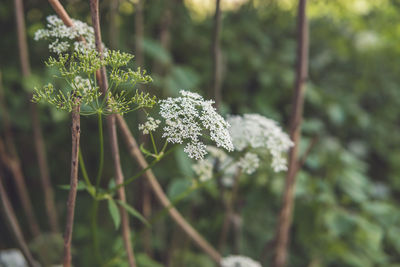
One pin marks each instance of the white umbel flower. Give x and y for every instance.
(239, 261)
(254, 131)
(63, 37)
(186, 119)
(249, 163)
(149, 126)
(204, 168)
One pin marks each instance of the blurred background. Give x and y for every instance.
(347, 194)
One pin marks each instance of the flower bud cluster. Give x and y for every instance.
(149, 126)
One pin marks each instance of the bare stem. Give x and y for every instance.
(112, 131)
(159, 193)
(285, 218)
(75, 133)
(37, 130)
(146, 195)
(11, 219)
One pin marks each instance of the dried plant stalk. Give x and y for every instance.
(75, 134)
(37, 130)
(285, 218)
(112, 132)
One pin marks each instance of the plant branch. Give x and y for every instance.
(285, 218)
(119, 177)
(75, 134)
(159, 193)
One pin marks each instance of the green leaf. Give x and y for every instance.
(133, 212)
(144, 261)
(178, 187)
(114, 212)
(156, 51)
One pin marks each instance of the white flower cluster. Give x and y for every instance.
(204, 168)
(82, 84)
(186, 118)
(249, 162)
(63, 36)
(239, 261)
(149, 126)
(253, 131)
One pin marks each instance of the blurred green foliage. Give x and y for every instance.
(347, 194)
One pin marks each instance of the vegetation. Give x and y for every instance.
(145, 202)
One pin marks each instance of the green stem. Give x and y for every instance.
(164, 147)
(154, 143)
(83, 169)
(101, 160)
(96, 248)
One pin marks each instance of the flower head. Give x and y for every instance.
(64, 37)
(186, 119)
(256, 132)
(239, 261)
(149, 126)
(249, 163)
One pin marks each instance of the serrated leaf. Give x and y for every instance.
(132, 211)
(114, 212)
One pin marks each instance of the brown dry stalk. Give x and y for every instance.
(159, 193)
(75, 134)
(37, 130)
(112, 132)
(216, 56)
(11, 219)
(285, 218)
(145, 191)
(13, 163)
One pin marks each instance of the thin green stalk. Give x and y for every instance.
(101, 160)
(96, 248)
(83, 170)
(154, 143)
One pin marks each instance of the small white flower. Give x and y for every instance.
(82, 84)
(203, 169)
(63, 37)
(257, 132)
(149, 126)
(239, 261)
(186, 118)
(249, 163)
